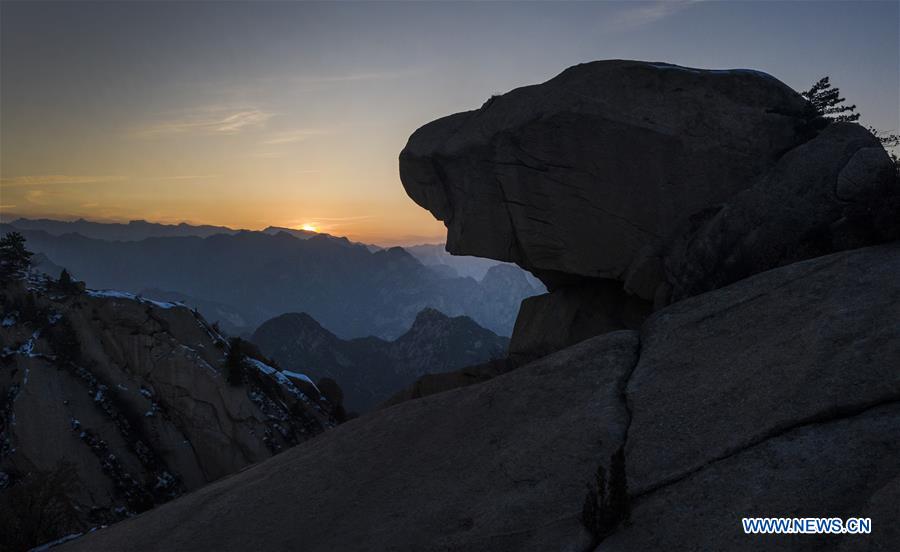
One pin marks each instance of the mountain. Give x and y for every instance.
(370, 369)
(135, 230)
(111, 404)
(302, 234)
(256, 276)
(41, 263)
(435, 255)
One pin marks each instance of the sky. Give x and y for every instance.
(250, 114)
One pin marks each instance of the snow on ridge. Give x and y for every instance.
(713, 71)
(261, 366)
(114, 294)
(284, 378)
(302, 377)
(51, 544)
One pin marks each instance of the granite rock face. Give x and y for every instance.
(835, 192)
(132, 394)
(498, 466)
(808, 342)
(776, 396)
(565, 316)
(572, 178)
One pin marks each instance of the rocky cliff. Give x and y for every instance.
(369, 370)
(127, 397)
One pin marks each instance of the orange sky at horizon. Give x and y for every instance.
(354, 220)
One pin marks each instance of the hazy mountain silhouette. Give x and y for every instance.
(132, 231)
(348, 288)
(370, 369)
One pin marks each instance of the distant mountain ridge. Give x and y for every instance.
(255, 276)
(432, 255)
(369, 369)
(134, 230)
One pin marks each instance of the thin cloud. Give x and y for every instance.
(345, 219)
(353, 77)
(54, 179)
(646, 13)
(266, 155)
(292, 136)
(205, 123)
(36, 196)
(187, 177)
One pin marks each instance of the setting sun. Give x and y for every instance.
(310, 227)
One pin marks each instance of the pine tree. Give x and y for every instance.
(67, 284)
(234, 362)
(607, 504)
(65, 279)
(14, 257)
(828, 102)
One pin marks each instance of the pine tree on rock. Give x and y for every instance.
(827, 100)
(234, 362)
(15, 259)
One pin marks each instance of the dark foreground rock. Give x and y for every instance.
(498, 466)
(838, 191)
(565, 316)
(777, 395)
(842, 466)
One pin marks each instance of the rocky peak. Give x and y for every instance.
(429, 316)
(301, 326)
(370, 369)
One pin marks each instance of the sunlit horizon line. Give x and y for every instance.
(376, 239)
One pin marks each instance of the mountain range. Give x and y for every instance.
(242, 278)
(370, 369)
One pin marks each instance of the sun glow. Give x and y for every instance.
(309, 227)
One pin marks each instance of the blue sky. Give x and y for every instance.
(290, 113)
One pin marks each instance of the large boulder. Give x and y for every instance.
(835, 192)
(498, 466)
(776, 396)
(835, 467)
(568, 315)
(576, 177)
(798, 345)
